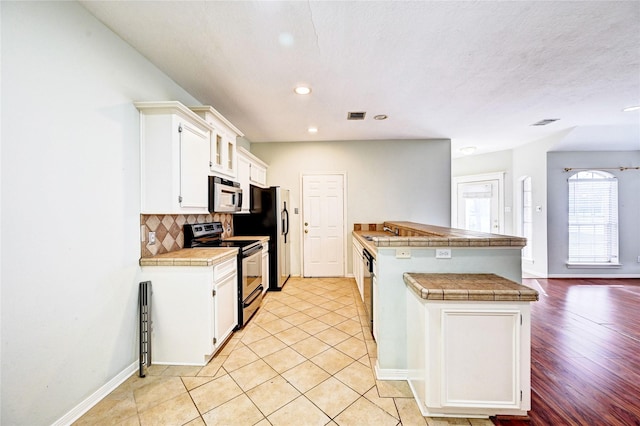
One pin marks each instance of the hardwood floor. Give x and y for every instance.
(585, 353)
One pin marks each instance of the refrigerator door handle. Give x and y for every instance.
(285, 222)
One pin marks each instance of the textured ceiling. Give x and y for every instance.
(479, 73)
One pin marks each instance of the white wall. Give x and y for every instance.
(70, 205)
(386, 180)
(628, 210)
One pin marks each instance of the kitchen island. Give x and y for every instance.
(469, 344)
(407, 247)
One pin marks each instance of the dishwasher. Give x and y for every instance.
(368, 286)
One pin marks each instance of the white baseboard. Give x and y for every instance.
(97, 396)
(594, 276)
(390, 374)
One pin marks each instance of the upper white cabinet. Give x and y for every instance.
(251, 171)
(222, 142)
(174, 156)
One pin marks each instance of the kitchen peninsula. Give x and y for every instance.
(412, 316)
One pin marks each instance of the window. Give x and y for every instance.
(526, 217)
(593, 218)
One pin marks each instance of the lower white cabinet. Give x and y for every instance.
(358, 267)
(265, 266)
(469, 359)
(194, 310)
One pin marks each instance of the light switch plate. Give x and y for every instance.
(443, 253)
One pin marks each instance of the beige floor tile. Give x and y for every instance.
(239, 411)
(155, 369)
(332, 360)
(298, 318)
(273, 395)
(480, 422)
(409, 412)
(131, 421)
(310, 347)
(358, 377)
(305, 376)
(251, 375)
(346, 300)
(292, 335)
(332, 336)
(276, 326)
(283, 311)
(394, 389)
(196, 422)
(299, 412)
(332, 318)
(181, 370)
(215, 393)
(254, 333)
(116, 409)
(332, 305)
(231, 345)
(211, 369)
(263, 422)
(387, 404)
(316, 311)
(193, 382)
(350, 327)
(239, 358)
(303, 305)
(263, 317)
(353, 347)
(176, 411)
(314, 326)
(284, 360)
(364, 412)
(266, 346)
(332, 396)
(159, 391)
(445, 421)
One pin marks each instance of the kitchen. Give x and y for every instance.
(68, 318)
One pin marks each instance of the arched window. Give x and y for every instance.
(593, 218)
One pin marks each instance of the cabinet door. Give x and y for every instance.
(194, 150)
(258, 175)
(215, 151)
(225, 308)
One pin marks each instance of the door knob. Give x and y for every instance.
(306, 231)
(306, 224)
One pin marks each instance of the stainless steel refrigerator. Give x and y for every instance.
(269, 215)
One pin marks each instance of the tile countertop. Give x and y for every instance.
(477, 287)
(411, 234)
(208, 256)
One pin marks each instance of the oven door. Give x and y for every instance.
(251, 271)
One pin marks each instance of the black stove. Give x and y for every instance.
(210, 235)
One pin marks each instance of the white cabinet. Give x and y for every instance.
(194, 310)
(358, 267)
(222, 143)
(251, 171)
(174, 151)
(265, 266)
(469, 359)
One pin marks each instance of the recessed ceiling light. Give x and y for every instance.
(380, 117)
(302, 90)
(631, 108)
(468, 150)
(312, 130)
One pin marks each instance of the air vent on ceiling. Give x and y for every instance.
(545, 121)
(356, 115)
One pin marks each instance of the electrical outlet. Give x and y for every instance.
(403, 253)
(444, 253)
(152, 238)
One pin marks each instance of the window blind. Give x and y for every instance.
(593, 218)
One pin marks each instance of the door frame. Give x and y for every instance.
(499, 176)
(344, 216)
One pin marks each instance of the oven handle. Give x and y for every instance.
(253, 296)
(252, 251)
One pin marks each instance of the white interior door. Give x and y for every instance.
(323, 225)
(478, 204)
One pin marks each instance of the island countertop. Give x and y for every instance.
(208, 256)
(411, 234)
(475, 287)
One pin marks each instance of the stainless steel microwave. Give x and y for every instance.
(225, 196)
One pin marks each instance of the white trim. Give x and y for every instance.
(344, 217)
(390, 373)
(593, 265)
(594, 276)
(499, 176)
(77, 411)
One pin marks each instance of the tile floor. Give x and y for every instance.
(305, 358)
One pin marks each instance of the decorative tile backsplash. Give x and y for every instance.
(168, 229)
